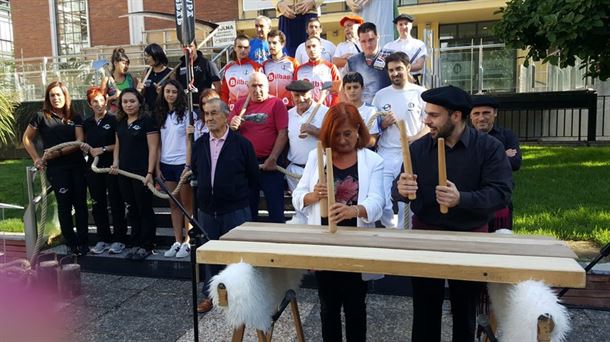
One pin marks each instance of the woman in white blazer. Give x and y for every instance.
(359, 196)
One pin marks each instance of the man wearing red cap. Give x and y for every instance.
(350, 46)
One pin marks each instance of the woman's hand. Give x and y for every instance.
(148, 179)
(320, 191)
(96, 151)
(339, 212)
(190, 129)
(40, 163)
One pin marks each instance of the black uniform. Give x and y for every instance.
(478, 166)
(205, 73)
(103, 186)
(66, 175)
(133, 157)
(150, 88)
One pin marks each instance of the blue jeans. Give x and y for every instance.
(216, 226)
(272, 185)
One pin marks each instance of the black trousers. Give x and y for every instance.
(428, 296)
(140, 212)
(68, 184)
(347, 290)
(104, 188)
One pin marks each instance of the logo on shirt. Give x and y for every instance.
(387, 107)
(285, 101)
(197, 68)
(63, 190)
(233, 81)
(136, 127)
(106, 126)
(411, 105)
(272, 76)
(256, 117)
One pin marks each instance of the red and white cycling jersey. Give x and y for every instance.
(280, 73)
(234, 84)
(317, 73)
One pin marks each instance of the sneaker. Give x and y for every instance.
(100, 247)
(116, 248)
(131, 252)
(141, 254)
(185, 250)
(171, 252)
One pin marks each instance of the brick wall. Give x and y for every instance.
(31, 28)
(210, 10)
(104, 22)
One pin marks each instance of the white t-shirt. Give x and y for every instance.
(300, 148)
(328, 51)
(407, 105)
(366, 111)
(173, 140)
(414, 48)
(345, 48)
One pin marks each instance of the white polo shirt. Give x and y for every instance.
(414, 48)
(300, 148)
(173, 140)
(328, 51)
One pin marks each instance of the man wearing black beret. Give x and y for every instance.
(479, 182)
(482, 117)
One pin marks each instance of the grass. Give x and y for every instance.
(564, 192)
(560, 191)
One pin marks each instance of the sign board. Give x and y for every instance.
(185, 21)
(256, 5)
(225, 34)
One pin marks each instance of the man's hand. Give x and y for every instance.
(285, 10)
(236, 122)
(511, 152)
(305, 6)
(310, 129)
(449, 196)
(388, 120)
(269, 164)
(407, 184)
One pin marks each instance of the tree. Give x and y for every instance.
(7, 120)
(559, 31)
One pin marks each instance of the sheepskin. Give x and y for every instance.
(254, 293)
(517, 308)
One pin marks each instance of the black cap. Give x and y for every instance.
(450, 97)
(484, 100)
(403, 16)
(300, 86)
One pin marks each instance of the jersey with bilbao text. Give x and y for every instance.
(234, 84)
(280, 73)
(317, 73)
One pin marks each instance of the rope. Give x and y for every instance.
(287, 173)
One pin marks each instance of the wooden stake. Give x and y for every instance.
(442, 169)
(243, 109)
(322, 179)
(150, 69)
(406, 153)
(330, 185)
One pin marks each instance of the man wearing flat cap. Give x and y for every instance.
(482, 117)
(414, 48)
(350, 46)
(479, 182)
(302, 135)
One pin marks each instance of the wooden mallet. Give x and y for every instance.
(322, 179)
(406, 153)
(323, 94)
(330, 186)
(442, 168)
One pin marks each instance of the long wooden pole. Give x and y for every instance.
(330, 185)
(442, 169)
(406, 153)
(243, 109)
(322, 179)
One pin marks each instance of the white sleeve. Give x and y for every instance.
(306, 183)
(375, 199)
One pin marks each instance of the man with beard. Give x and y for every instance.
(279, 68)
(479, 182)
(403, 102)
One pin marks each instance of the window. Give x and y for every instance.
(72, 26)
(6, 29)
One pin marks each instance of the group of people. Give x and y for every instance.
(270, 108)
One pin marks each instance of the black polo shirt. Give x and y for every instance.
(133, 143)
(150, 88)
(508, 139)
(478, 166)
(205, 73)
(54, 130)
(102, 133)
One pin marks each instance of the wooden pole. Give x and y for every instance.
(322, 180)
(406, 153)
(330, 185)
(147, 75)
(243, 109)
(442, 169)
